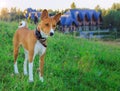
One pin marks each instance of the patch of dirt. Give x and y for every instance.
(114, 42)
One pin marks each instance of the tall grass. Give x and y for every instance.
(71, 64)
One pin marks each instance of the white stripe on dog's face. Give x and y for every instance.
(51, 32)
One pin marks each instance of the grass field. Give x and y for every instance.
(71, 64)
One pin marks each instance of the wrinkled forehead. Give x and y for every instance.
(49, 20)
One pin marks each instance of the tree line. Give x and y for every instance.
(111, 16)
(13, 14)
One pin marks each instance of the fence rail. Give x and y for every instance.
(97, 34)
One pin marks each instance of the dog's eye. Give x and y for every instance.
(54, 25)
(47, 24)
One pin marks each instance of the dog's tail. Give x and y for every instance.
(22, 24)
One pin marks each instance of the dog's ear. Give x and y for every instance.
(44, 14)
(57, 17)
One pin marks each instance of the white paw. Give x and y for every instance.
(17, 72)
(31, 81)
(25, 73)
(41, 79)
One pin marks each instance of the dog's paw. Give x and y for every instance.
(25, 74)
(17, 73)
(31, 81)
(41, 79)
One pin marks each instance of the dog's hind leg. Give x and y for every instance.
(41, 67)
(25, 63)
(16, 48)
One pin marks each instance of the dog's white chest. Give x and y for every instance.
(39, 49)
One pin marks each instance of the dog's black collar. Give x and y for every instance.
(38, 34)
(40, 38)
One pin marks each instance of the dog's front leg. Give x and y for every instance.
(31, 58)
(41, 67)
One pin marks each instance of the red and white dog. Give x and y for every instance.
(34, 42)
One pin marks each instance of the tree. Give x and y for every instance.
(104, 12)
(73, 6)
(19, 15)
(4, 14)
(97, 8)
(13, 11)
(112, 17)
(16, 14)
(116, 6)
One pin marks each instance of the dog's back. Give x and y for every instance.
(21, 35)
(22, 31)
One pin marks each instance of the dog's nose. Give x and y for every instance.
(51, 33)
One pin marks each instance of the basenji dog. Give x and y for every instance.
(34, 42)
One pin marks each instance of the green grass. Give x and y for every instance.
(71, 64)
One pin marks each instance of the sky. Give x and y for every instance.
(56, 4)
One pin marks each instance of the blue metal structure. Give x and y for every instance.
(31, 13)
(72, 16)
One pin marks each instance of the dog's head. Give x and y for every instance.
(48, 24)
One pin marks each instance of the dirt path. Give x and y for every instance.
(114, 43)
